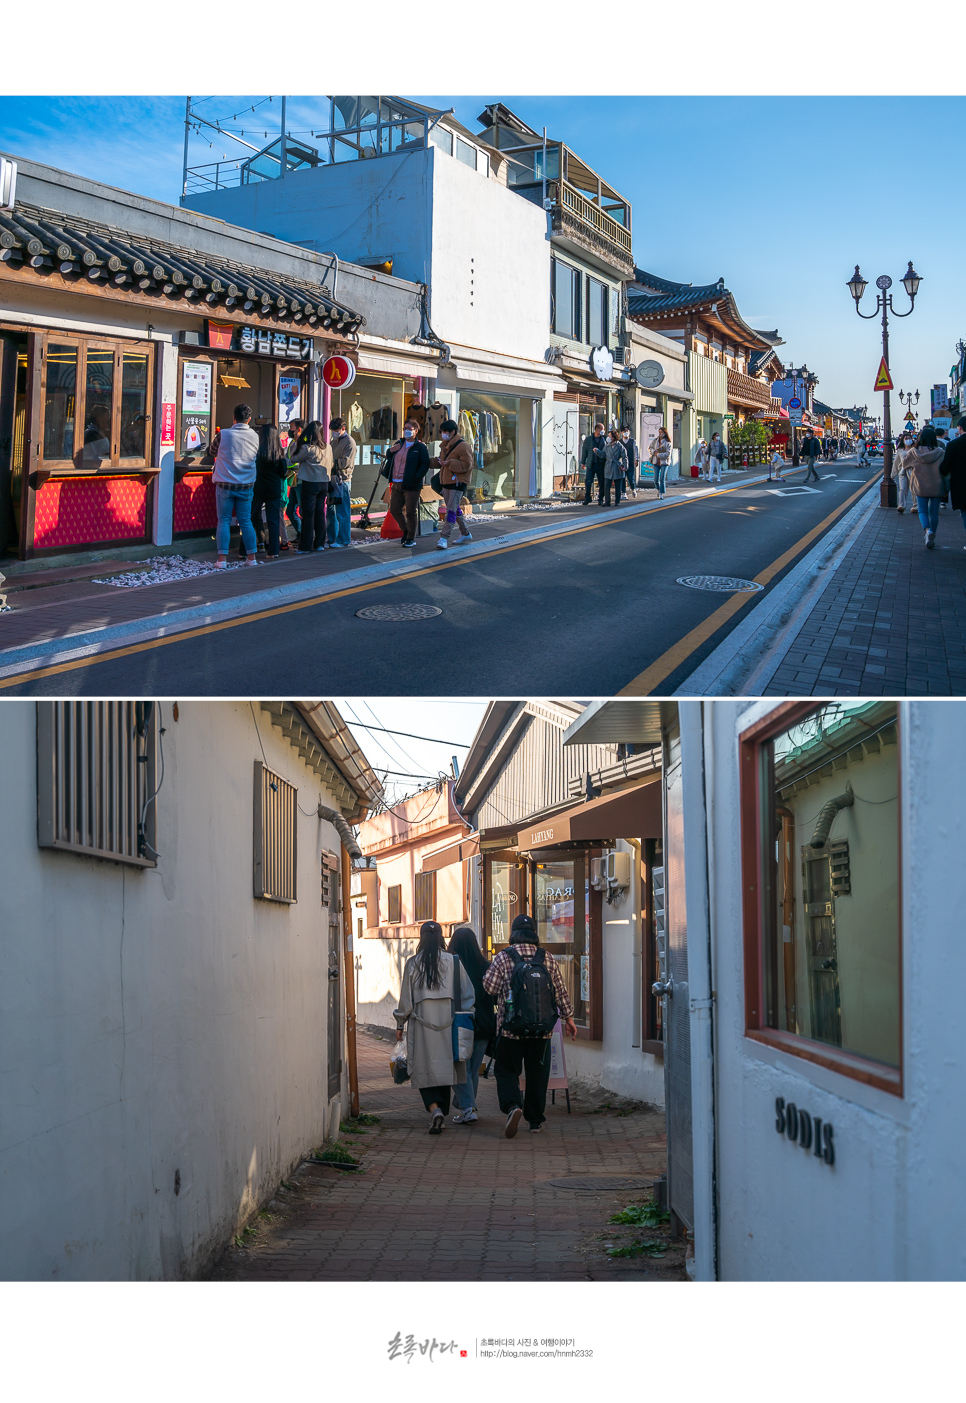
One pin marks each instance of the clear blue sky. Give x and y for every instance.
(780, 196)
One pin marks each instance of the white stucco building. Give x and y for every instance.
(813, 979)
(172, 1036)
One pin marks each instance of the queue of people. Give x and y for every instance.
(514, 1004)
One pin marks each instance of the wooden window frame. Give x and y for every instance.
(847, 1064)
(650, 1007)
(422, 880)
(75, 466)
(275, 838)
(394, 892)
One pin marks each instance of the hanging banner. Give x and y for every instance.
(338, 372)
(289, 398)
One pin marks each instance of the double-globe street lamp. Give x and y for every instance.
(883, 303)
(912, 415)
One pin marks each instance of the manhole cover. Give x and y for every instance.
(398, 613)
(604, 1183)
(721, 584)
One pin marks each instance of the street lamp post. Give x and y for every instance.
(912, 415)
(883, 303)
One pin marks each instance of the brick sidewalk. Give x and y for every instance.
(465, 1205)
(892, 620)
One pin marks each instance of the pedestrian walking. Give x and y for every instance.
(615, 467)
(291, 488)
(455, 467)
(633, 459)
(313, 457)
(338, 528)
(465, 946)
(775, 464)
(954, 468)
(700, 458)
(593, 456)
(271, 470)
(235, 450)
(425, 1017)
(661, 458)
(861, 448)
(406, 466)
(811, 448)
(530, 995)
(900, 473)
(923, 463)
(716, 456)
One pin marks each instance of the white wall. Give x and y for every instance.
(155, 1021)
(379, 978)
(483, 231)
(782, 1213)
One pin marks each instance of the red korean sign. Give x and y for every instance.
(219, 334)
(338, 372)
(167, 425)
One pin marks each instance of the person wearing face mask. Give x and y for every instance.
(455, 464)
(633, 458)
(900, 473)
(406, 466)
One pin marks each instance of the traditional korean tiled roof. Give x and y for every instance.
(667, 298)
(81, 250)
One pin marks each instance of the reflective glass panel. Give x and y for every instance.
(831, 863)
(60, 401)
(134, 404)
(465, 153)
(98, 404)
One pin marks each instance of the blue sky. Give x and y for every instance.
(780, 196)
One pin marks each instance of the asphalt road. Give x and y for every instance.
(586, 614)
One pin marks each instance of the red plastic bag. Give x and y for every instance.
(390, 528)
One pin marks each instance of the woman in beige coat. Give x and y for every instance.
(923, 464)
(900, 474)
(455, 464)
(427, 1002)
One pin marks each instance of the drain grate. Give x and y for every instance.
(602, 1183)
(398, 613)
(721, 584)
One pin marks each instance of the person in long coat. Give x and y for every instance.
(427, 1003)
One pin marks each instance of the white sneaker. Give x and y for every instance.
(436, 1122)
(466, 536)
(512, 1121)
(469, 1117)
(442, 543)
(459, 1118)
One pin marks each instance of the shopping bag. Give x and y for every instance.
(464, 1033)
(398, 1065)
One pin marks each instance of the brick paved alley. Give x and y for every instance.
(468, 1204)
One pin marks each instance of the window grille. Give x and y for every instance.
(96, 775)
(276, 848)
(395, 905)
(425, 896)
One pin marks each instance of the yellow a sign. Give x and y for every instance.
(883, 381)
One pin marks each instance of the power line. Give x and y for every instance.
(428, 740)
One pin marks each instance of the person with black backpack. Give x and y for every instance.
(531, 996)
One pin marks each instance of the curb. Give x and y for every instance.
(751, 654)
(74, 647)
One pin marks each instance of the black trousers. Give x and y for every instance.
(436, 1095)
(618, 490)
(313, 515)
(594, 470)
(271, 499)
(529, 1055)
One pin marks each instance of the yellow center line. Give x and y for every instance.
(203, 630)
(646, 682)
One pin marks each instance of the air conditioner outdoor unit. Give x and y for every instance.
(618, 869)
(598, 876)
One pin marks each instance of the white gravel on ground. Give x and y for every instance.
(162, 569)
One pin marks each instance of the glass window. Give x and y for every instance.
(566, 295)
(134, 404)
(443, 138)
(506, 900)
(596, 313)
(60, 401)
(98, 403)
(490, 424)
(561, 912)
(829, 787)
(465, 153)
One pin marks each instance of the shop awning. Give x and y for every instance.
(397, 365)
(630, 813)
(467, 846)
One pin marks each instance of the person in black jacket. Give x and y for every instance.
(407, 463)
(953, 468)
(593, 455)
(464, 945)
(271, 469)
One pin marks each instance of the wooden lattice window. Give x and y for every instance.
(276, 846)
(395, 905)
(425, 902)
(96, 779)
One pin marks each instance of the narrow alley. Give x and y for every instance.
(468, 1205)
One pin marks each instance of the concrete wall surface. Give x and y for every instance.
(891, 1207)
(156, 1022)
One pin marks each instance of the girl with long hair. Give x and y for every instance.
(427, 1002)
(465, 946)
(314, 459)
(923, 465)
(271, 468)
